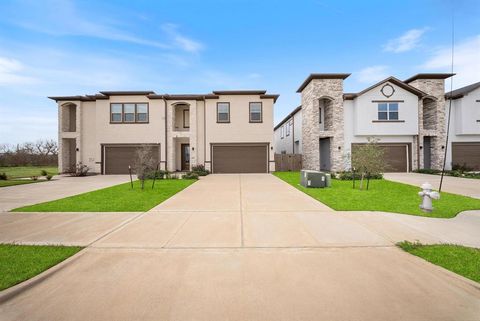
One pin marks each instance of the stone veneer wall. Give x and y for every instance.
(435, 88)
(311, 95)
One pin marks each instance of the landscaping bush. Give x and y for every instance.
(160, 174)
(190, 175)
(200, 170)
(3, 176)
(79, 170)
(427, 171)
(48, 177)
(348, 176)
(43, 173)
(34, 178)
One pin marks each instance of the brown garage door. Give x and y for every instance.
(118, 157)
(240, 158)
(467, 154)
(397, 156)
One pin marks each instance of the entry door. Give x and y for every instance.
(185, 157)
(325, 154)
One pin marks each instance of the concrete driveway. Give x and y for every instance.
(456, 185)
(62, 186)
(250, 247)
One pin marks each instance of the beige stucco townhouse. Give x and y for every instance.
(226, 131)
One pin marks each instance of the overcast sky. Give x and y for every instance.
(66, 47)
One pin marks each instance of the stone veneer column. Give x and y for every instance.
(311, 95)
(435, 88)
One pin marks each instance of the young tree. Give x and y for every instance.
(368, 159)
(144, 163)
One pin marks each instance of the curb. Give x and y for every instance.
(21, 287)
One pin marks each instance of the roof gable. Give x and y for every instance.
(393, 80)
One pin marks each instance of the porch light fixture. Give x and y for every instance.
(339, 147)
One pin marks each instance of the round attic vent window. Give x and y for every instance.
(387, 90)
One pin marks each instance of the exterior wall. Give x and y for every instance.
(297, 132)
(464, 126)
(467, 110)
(366, 113)
(311, 133)
(239, 129)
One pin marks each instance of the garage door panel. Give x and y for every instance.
(118, 158)
(395, 155)
(467, 154)
(239, 158)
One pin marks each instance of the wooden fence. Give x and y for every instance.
(288, 162)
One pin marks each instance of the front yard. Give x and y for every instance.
(118, 198)
(459, 259)
(19, 175)
(383, 195)
(21, 262)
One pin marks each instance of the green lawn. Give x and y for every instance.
(459, 259)
(118, 198)
(27, 171)
(21, 262)
(383, 195)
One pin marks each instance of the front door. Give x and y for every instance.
(185, 157)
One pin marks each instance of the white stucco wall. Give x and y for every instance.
(366, 113)
(287, 143)
(463, 121)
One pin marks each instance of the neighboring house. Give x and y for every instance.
(288, 133)
(464, 133)
(226, 131)
(407, 117)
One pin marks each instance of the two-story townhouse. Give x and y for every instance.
(407, 117)
(464, 131)
(226, 131)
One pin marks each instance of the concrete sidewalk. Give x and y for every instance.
(62, 186)
(456, 185)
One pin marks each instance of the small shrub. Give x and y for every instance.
(427, 171)
(3, 176)
(190, 175)
(200, 170)
(35, 178)
(333, 175)
(348, 176)
(79, 170)
(48, 177)
(160, 174)
(43, 173)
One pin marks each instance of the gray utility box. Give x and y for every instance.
(313, 178)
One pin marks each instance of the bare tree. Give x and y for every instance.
(144, 163)
(368, 159)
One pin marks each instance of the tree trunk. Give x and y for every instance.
(361, 181)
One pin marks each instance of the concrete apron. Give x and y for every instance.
(246, 247)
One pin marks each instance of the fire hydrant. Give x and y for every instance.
(427, 195)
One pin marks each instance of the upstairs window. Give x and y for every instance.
(116, 113)
(142, 113)
(223, 112)
(388, 111)
(129, 113)
(282, 132)
(256, 112)
(288, 129)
